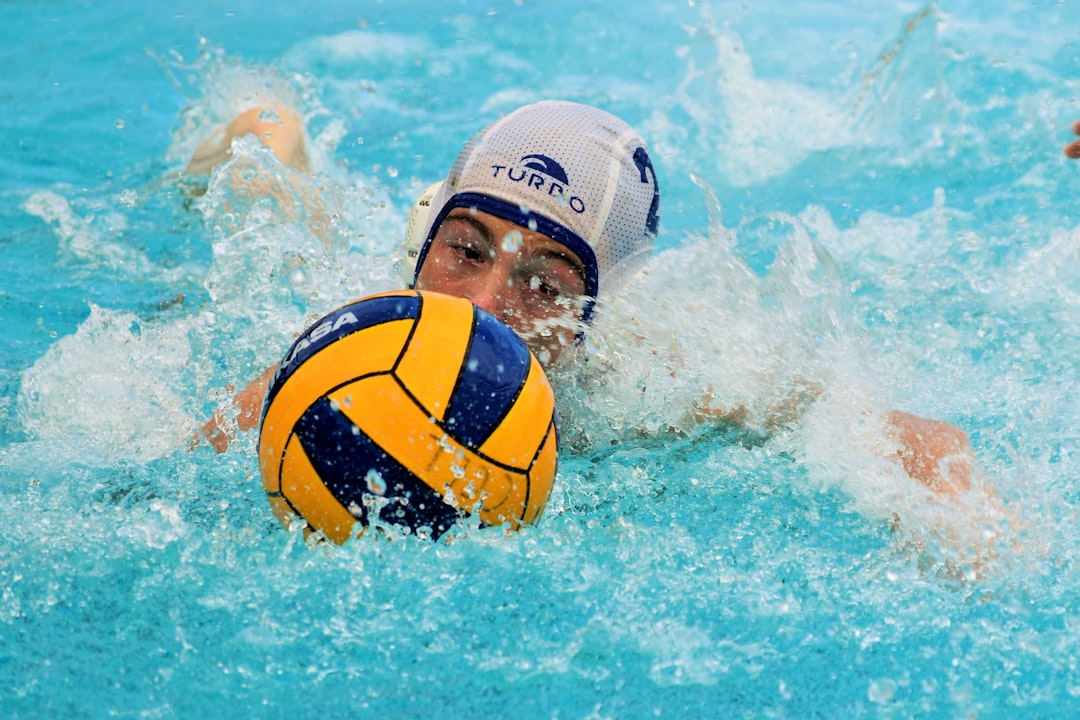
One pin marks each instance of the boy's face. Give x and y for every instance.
(532, 283)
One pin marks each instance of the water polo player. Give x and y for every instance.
(543, 213)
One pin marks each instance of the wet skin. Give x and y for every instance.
(531, 282)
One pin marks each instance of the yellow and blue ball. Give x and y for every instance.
(410, 409)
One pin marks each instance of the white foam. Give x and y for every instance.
(754, 127)
(699, 333)
(355, 47)
(117, 387)
(93, 236)
(287, 248)
(781, 355)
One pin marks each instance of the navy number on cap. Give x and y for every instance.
(642, 160)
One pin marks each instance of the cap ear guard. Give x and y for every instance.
(416, 232)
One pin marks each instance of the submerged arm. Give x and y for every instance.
(934, 453)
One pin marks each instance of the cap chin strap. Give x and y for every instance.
(514, 213)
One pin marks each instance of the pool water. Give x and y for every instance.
(865, 207)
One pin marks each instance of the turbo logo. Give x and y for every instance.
(539, 171)
(544, 164)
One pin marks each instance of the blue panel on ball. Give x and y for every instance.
(353, 468)
(491, 379)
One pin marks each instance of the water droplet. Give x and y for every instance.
(375, 482)
(119, 124)
(881, 691)
(511, 242)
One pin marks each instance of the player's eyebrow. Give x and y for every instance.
(480, 227)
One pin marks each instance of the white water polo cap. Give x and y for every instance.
(572, 172)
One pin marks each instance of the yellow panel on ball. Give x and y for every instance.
(514, 441)
(542, 475)
(437, 349)
(304, 491)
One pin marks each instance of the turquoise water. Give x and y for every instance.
(894, 226)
